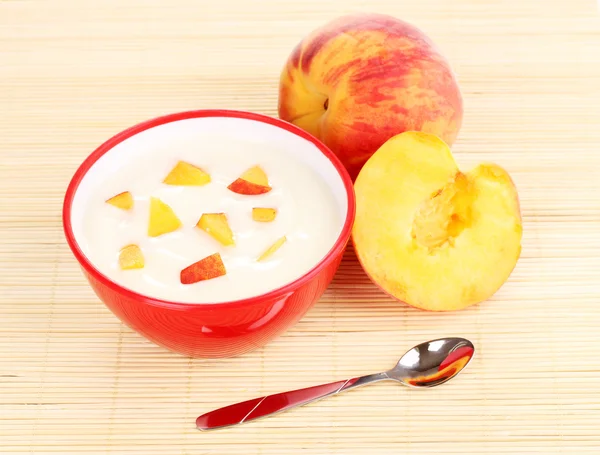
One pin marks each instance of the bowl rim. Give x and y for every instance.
(336, 249)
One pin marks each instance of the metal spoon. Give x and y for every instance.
(426, 365)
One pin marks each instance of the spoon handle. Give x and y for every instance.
(271, 404)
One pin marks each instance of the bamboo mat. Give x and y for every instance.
(73, 379)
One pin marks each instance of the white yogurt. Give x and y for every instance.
(311, 211)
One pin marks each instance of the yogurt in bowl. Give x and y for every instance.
(307, 215)
(144, 216)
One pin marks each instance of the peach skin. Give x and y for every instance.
(363, 78)
(205, 269)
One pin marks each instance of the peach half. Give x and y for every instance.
(429, 234)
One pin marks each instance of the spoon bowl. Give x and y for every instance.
(432, 363)
(424, 366)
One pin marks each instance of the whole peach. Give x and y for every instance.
(361, 79)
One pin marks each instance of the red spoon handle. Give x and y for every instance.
(263, 406)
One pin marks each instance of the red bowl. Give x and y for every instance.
(207, 329)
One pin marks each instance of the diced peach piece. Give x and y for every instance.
(242, 186)
(217, 226)
(272, 248)
(263, 214)
(162, 218)
(252, 182)
(131, 257)
(205, 269)
(122, 200)
(186, 174)
(255, 175)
